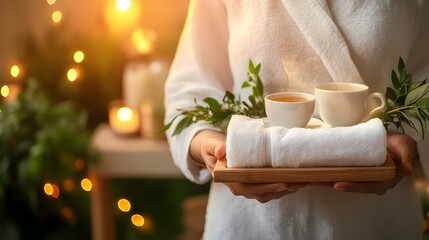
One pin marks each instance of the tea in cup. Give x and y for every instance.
(346, 104)
(289, 109)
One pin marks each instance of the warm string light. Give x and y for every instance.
(51, 2)
(78, 56)
(48, 189)
(72, 74)
(68, 185)
(57, 16)
(14, 71)
(86, 184)
(5, 91)
(124, 205)
(137, 220)
(51, 190)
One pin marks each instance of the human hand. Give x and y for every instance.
(208, 146)
(403, 150)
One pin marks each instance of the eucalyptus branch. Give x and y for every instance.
(219, 113)
(407, 102)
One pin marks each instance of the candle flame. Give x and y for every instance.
(125, 114)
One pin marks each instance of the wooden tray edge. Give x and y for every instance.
(222, 173)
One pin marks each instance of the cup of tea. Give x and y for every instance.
(347, 104)
(289, 109)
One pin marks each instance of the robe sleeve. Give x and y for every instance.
(418, 65)
(200, 69)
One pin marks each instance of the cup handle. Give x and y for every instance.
(374, 109)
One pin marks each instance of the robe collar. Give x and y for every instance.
(315, 21)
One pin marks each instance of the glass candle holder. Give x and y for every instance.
(123, 120)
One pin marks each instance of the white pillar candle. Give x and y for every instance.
(136, 81)
(158, 70)
(144, 81)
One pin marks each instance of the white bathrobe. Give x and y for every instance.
(299, 44)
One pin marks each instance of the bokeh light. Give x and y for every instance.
(14, 71)
(56, 191)
(72, 74)
(68, 185)
(51, 190)
(67, 213)
(5, 91)
(51, 2)
(86, 184)
(78, 56)
(57, 16)
(48, 189)
(79, 164)
(124, 205)
(137, 220)
(143, 40)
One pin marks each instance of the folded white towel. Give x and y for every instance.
(252, 143)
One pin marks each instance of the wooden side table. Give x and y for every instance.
(123, 158)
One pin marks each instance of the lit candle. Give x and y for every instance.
(123, 119)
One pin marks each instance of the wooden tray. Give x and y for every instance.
(320, 174)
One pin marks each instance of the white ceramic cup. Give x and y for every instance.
(289, 109)
(346, 104)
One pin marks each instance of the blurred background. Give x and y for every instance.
(62, 63)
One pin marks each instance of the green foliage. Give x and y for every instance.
(407, 102)
(219, 113)
(39, 143)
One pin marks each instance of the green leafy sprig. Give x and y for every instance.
(407, 102)
(219, 113)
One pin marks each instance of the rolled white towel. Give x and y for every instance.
(251, 143)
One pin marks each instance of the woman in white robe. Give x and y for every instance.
(299, 44)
